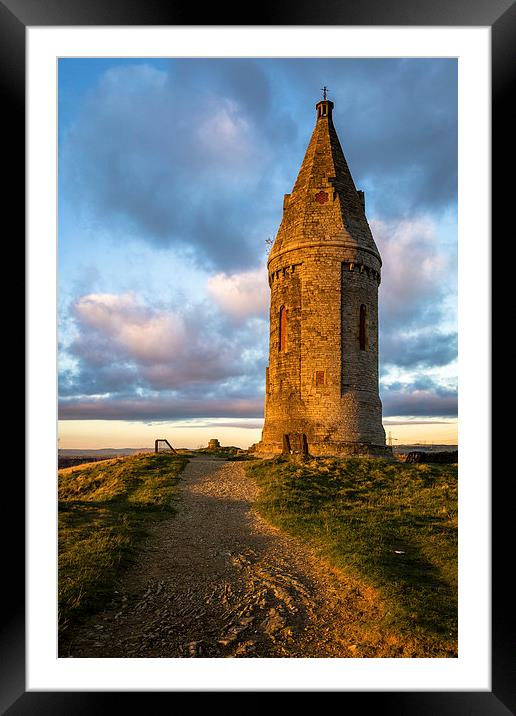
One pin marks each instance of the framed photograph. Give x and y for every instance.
(56, 54)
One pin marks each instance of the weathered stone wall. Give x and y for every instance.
(283, 380)
(323, 385)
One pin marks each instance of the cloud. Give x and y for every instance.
(198, 154)
(125, 350)
(173, 165)
(241, 295)
(168, 348)
(418, 280)
(424, 398)
(158, 408)
(414, 266)
(425, 348)
(397, 122)
(408, 160)
(134, 331)
(224, 136)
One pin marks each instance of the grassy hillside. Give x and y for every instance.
(103, 512)
(391, 525)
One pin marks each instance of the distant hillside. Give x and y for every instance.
(102, 452)
(70, 457)
(422, 447)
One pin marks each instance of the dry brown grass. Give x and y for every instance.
(104, 508)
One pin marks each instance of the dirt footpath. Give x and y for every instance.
(217, 580)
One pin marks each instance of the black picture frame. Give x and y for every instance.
(15, 17)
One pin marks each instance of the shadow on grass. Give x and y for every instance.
(424, 598)
(392, 525)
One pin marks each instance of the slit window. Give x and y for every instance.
(362, 333)
(283, 329)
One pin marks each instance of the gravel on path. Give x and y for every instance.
(217, 580)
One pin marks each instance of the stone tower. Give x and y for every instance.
(324, 272)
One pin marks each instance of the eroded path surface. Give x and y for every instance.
(217, 580)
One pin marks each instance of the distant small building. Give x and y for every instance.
(213, 444)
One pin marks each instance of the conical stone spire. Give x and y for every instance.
(324, 204)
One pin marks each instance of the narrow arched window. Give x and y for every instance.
(283, 329)
(362, 332)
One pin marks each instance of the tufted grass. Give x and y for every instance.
(103, 511)
(388, 524)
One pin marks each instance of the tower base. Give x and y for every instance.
(328, 449)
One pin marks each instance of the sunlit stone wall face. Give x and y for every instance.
(324, 272)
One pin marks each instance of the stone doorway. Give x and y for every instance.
(295, 444)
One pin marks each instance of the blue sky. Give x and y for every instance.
(171, 179)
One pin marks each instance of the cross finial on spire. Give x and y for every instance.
(324, 91)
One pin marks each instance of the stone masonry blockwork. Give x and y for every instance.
(324, 272)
